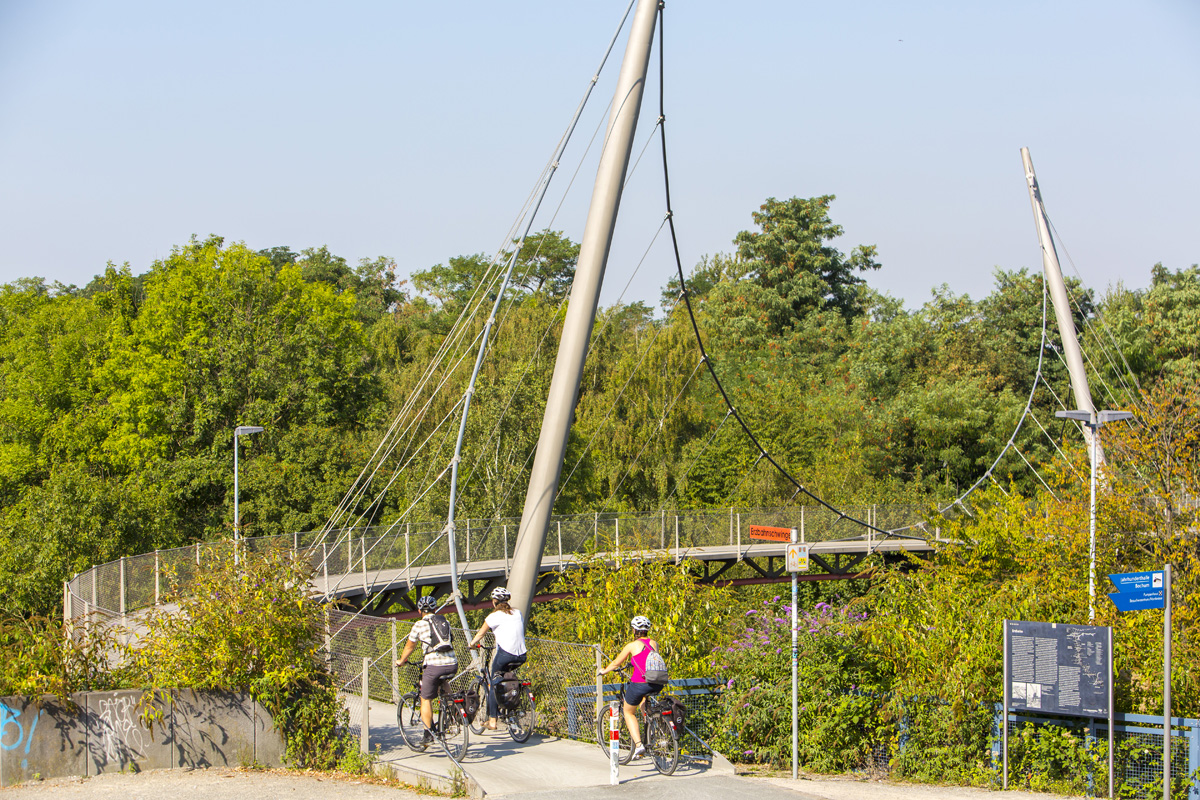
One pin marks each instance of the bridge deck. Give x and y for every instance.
(380, 588)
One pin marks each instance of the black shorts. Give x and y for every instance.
(431, 676)
(635, 693)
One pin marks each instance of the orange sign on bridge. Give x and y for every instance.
(770, 534)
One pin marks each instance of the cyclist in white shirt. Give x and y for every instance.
(508, 626)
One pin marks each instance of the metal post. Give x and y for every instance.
(739, 536)
(506, 556)
(1095, 429)
(802, 524)
(395, 669)
(596, 531)
(561, 566)
(157, 581)
(581, 309)
(1004, 714)
(676, 540)
(1167, 682)
(122, 568)
(364, 731)
(795, 680)
(662, 531)
(349, 550)
(407, 559)
(1112, 715)
(468, 553)
(197, 554)
(599, 680)
(617, 533)
(731, 525)
(325, 565)
(328, 642)
(236, 521)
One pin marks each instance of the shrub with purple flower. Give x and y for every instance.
(840, 680)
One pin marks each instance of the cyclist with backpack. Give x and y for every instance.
(646, 680)
(439, 662)
(508, 626)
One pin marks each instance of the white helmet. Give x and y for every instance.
(640, 623)
(501, 593)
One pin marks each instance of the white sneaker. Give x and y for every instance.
(638, 751)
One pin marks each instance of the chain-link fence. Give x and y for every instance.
(366, 556)
(1047, 748)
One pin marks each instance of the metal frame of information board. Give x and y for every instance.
(1008, 710)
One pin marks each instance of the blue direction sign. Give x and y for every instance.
(1137, 591)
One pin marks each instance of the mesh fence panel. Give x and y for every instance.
(1137, 753)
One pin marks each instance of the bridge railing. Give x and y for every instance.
(359, 555)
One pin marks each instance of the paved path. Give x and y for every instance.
(502, 768)
(230, 784)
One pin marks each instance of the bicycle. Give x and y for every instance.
(519, 718)
(661, 739)
(449, 725)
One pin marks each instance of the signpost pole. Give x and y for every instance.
(795, 687)
(1004, 713)
(1111, 715)
(1167, 682)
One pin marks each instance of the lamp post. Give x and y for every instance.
(240, 430)
(1094, 420)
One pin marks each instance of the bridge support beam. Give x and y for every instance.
(581, 311)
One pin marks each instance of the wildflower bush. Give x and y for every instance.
(840, 681)
(248, 623)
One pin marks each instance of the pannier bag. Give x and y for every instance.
(508, 691)
(471, 703)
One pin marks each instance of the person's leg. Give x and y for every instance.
(427, 713)
(631, 722)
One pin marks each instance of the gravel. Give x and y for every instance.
(218, 783)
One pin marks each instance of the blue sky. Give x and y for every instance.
(417, 130)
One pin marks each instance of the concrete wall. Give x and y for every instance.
(100, 732)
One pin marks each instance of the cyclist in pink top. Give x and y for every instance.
(637, 690)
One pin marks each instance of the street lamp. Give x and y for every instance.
(1093, 420)
(240, 430)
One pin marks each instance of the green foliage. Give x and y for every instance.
(247, 622)
(608, 592)
(37, 656)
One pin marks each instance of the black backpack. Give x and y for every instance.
(441, 637)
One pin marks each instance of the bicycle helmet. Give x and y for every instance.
(501, 593)
(428, 603)
(640, 623)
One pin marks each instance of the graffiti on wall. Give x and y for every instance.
(121, 729)
(12, 730)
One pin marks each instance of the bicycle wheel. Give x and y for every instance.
(479, 721)
(522, 718)
(602, 734)
(408, 720)
(662, 745)
(452, 730)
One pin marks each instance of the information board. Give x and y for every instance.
(1058, 669)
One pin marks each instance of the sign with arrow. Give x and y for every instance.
(1137, 591)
